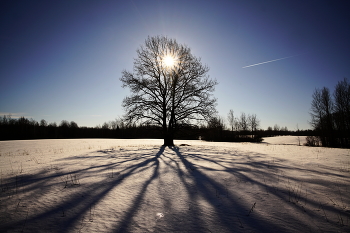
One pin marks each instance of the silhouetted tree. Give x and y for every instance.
(216, 123)
(243, 122)
(52, 130)
(64, 129)
(214, 129)
(269, 132)
(330, 117)
(73, 125)
(170, 87)
(321, 115)
(43, 123)
(253, 122)
(342, 111)
(64, 124)
(120, 123)
(105, 126)
(237, 124)
(53, 124)
(113, 125)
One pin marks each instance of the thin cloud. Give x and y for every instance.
(271, 61)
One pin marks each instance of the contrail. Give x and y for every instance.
(270, 61)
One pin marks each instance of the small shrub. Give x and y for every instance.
(313, 141)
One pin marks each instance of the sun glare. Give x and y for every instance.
(169, 61)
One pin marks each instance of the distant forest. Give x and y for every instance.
(24, 129)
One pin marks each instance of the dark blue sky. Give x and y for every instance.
(62, 60)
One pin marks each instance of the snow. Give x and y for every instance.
(286, 140)
(113, 185)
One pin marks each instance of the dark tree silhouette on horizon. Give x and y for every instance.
(330, 117)
(321, 115)
(170, 87)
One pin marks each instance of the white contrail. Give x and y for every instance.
(270, 61)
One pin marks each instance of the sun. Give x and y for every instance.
(169, 61)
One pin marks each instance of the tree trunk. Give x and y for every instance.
(168, 139)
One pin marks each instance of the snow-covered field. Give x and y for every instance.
(110, 185)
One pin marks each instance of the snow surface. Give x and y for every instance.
(286, 140)
(112, 185)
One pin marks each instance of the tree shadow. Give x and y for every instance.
(69, 213)
(228, 213)
(167, 190)
(217, 197)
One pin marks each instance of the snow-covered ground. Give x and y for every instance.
(110, 185)
(286, 140)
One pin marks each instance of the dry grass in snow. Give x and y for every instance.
(110, 185)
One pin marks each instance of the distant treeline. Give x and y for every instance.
(24, 129)
(244, 129)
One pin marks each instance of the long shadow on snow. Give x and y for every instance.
(126, 219)
(77, 205)
(226, 210)
(255, 172)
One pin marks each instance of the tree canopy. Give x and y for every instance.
(170, 87)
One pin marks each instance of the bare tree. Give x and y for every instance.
(316, 109)
(105, 125)
(120, 123)
(231, 119)
(169, 87)
(112, 125)
(328, 107)
(237, 124)
(342, 111)
(321, 115)
(253, 122)
(243, 121)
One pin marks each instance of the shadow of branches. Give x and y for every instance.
(169, 189)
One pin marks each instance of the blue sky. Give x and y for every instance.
(62, 60)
